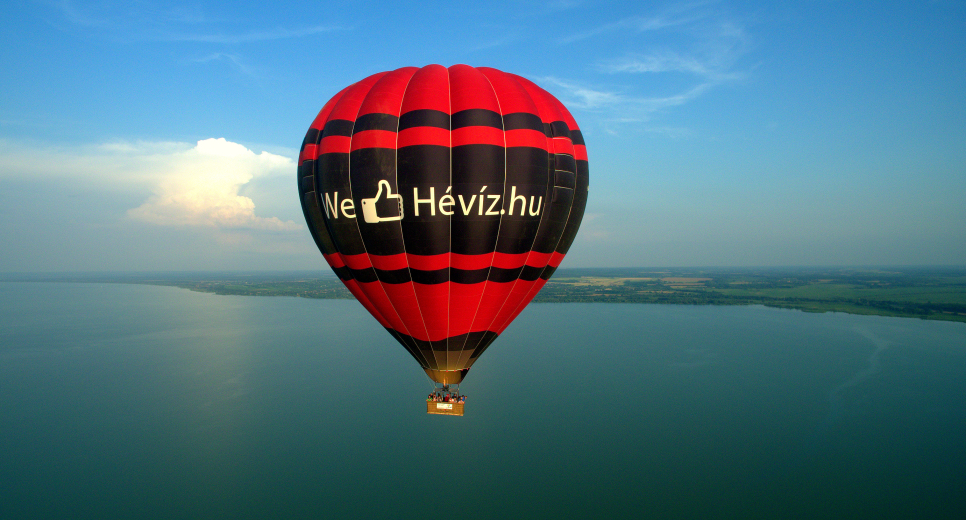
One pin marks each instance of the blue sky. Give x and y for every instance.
(162, 136)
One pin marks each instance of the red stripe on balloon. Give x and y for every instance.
(536, 259)
(360, 261)
(389, 262)
(308, 153)
(563, 145)
(428, 262)
(441, 261)
(422, 135)
(335, 260)
(373, 139)
(530, 138)
(509, 261)
(471, 262)
(334, 144)
(478, 135)
(580, 152)
(555, 259)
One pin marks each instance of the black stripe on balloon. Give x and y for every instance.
(316, 223)
(369, 166)
(565, 162)
(435, 277)
(481, 347)
(308, 183)
(332, 175)
(424, 117)
(576, 137)
(306, 169)
(344, 273)
(421, 165)
(482, 337)
(559, 129)
(500, 275)
(468, 277)
(367, 275)
(311, 137)
(564, 179)
(522, 121)
(477, 117)
(409, 348)
(577, 210)
(530, 273)
(376, 121)
(438, 276)
(395, 276)
(462, 276)
(341, 127)
(548, 272)
(481, 164)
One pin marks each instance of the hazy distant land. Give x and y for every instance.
(928, 293)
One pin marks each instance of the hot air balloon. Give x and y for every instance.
(444, 199)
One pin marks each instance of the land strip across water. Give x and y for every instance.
(936, 293)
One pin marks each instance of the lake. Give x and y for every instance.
(138, 401)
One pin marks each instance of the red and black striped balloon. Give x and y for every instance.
(444, 199)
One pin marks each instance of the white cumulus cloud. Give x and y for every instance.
(200, 187)
(210, 184)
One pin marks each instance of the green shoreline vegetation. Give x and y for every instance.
(936, 293)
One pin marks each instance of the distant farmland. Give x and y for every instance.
(927, 293)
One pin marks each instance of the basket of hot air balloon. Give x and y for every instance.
(444, 199)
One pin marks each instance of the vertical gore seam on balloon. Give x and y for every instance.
(365, 248)
(395, 170)
(546, 212)
(449, 287)
(500, 225)
(535, 286)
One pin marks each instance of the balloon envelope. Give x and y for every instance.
(444, 199)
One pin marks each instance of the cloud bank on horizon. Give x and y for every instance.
(719, 133)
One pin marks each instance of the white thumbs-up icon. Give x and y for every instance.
(369, 213)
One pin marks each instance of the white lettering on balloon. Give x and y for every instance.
(425, 204)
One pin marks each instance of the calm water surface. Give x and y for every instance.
(153, 402)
